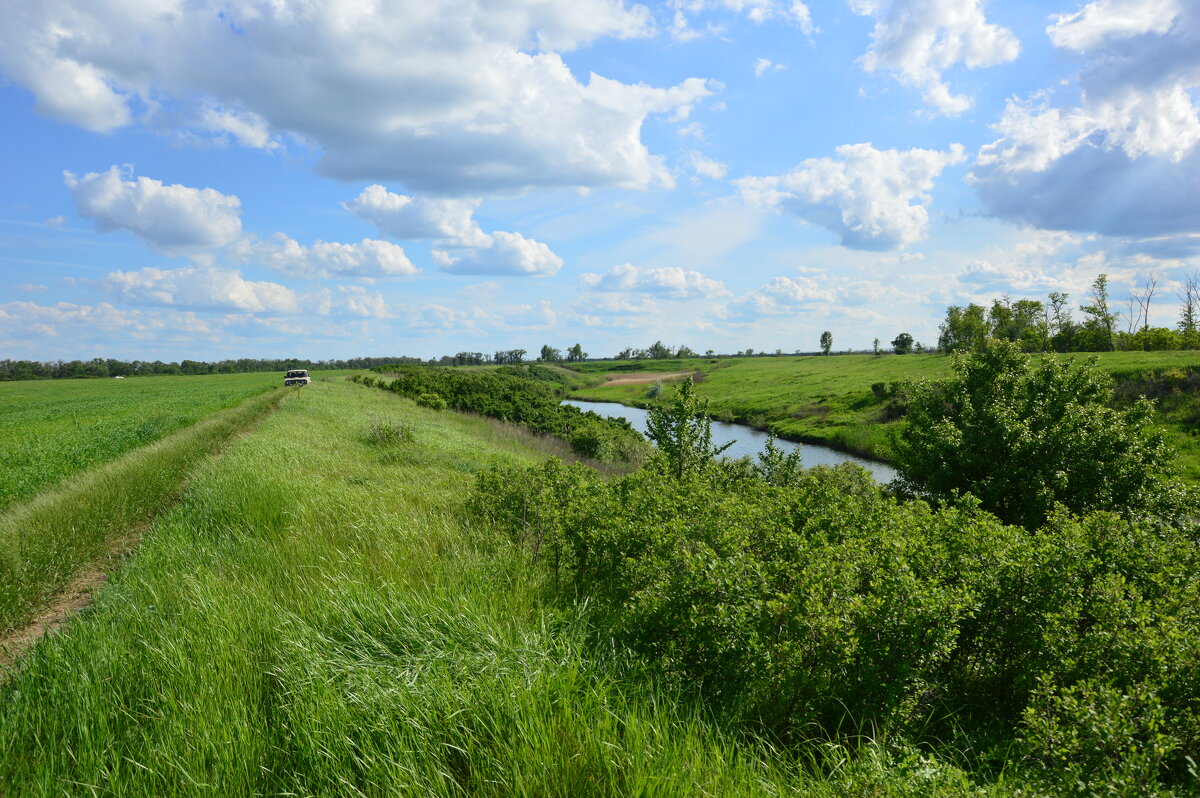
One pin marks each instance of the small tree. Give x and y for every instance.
(1022, 439)
(878, 351)
(550, 354)
(1101, 322)
(1189, 312)
(902, 344)
(826, 342)
(682, 431)
(575, 354)
(658, 351)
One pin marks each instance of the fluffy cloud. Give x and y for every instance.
(507, 253)
(369, 258)
(1112, 19)
(1124, 160)
(918, 39)
(874, 199)
(83, 323)
(465, 97)
(672, 282)
(173, 219)
(781, 296)
(401, 216)
(704, 166)
(199, 288)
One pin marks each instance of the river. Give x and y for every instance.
(747, 440)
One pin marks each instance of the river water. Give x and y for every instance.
(747, 440)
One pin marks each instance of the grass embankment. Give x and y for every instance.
(56, 428)
(830, 399)
(46, 540)
(314, 619)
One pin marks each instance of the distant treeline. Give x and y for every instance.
(108, 367)
(1049, 326)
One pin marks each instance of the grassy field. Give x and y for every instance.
(55, 428)
(313, 618)
(47, 540)
(830, 399)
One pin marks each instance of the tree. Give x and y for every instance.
(878, 351)
(1097, 331)
(550, 354)
(902, 344)
(1022, 439)
(682, 431)
(658, 351)
(1189, 312)
(575, 354)
(963, 328)
(826, 342)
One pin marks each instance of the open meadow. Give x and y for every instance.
(56, 428)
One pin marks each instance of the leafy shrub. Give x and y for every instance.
(1024, 439)
(510, 395)
(430, 400)
(801, 599)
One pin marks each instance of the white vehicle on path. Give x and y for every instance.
(297, 377)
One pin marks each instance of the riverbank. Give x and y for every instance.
(852, 403)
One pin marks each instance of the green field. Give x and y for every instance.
(314, 618)
(56, 428)
(312, 608)
(829, 399)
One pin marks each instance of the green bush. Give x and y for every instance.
(1024, 439)
(431, 400)
(810, 602)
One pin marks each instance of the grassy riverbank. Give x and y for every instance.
(848, 401)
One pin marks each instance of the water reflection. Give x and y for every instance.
(747, 440)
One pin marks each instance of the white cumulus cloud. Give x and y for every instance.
(173, 219)
(874, 199)
(781, 296)
(199, 288)
(507, 253)
(370, 258)
(671, 281)
(1112, 19)
(1123, 159)
(464, 97)
(917, 40)
(447, 219)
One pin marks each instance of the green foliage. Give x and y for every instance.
(807, 601)
(902, 344)
(519, 394)
(1024, 439)
(682, 431)
(826, 342)
(431, 400)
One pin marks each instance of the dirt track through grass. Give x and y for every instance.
(49, 541)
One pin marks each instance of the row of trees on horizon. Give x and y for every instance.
(1034, 325)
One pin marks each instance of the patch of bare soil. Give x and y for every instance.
(644, 377)
(76, 596)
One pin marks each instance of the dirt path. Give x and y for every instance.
(76, 596)
(644, 377)
(79, 592)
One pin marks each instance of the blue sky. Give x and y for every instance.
(209, 179)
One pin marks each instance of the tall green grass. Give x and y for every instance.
(44, 541)
(313, 618)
